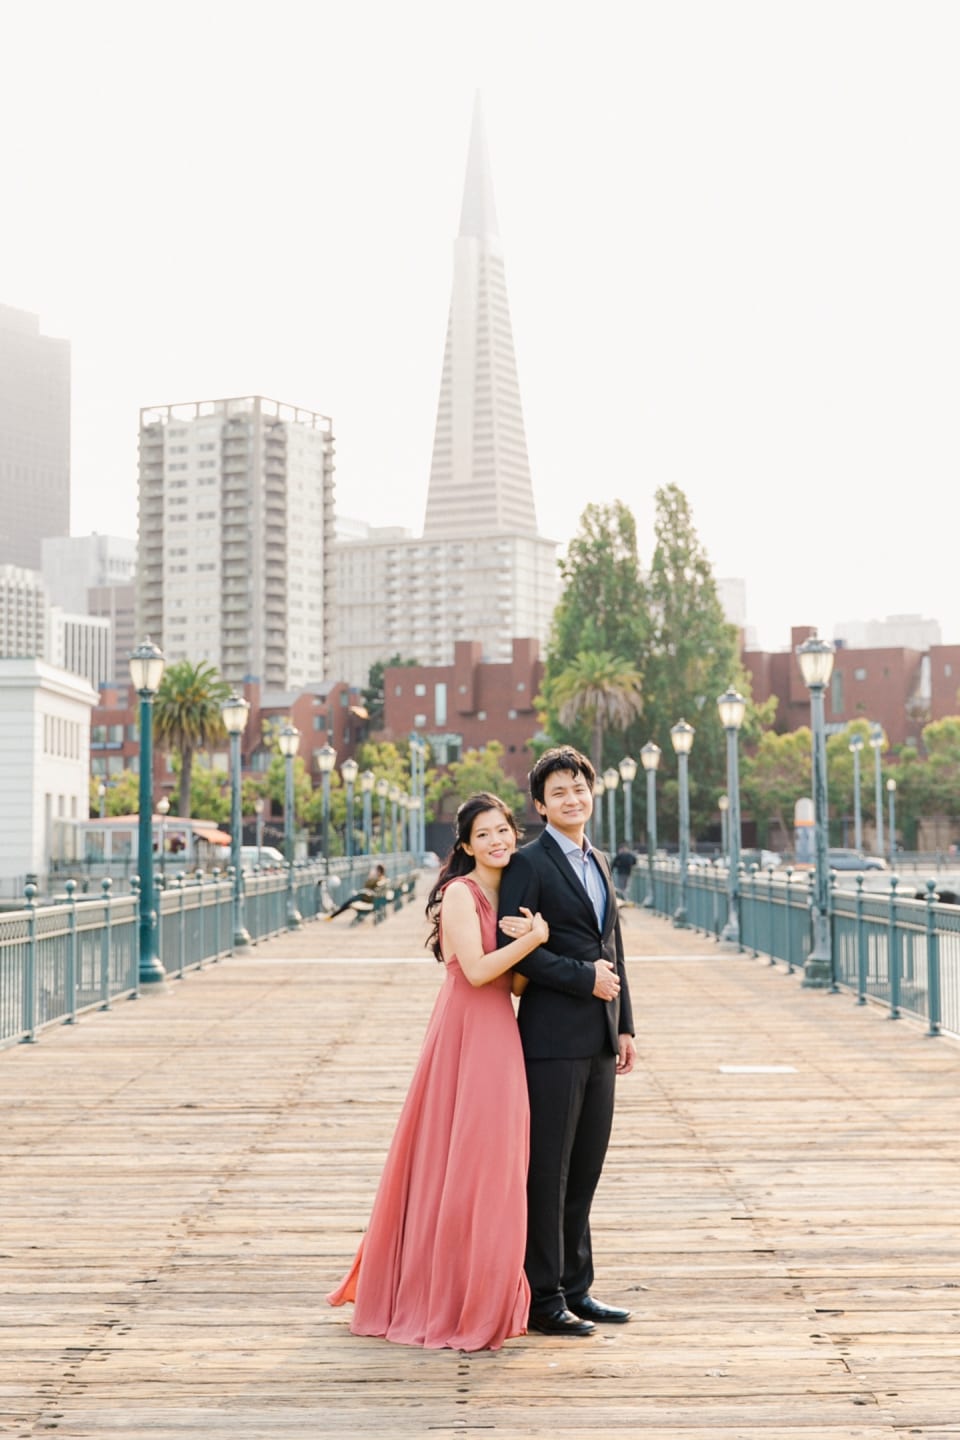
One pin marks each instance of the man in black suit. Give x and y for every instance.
(576, 1026)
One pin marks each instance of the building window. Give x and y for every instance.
(836, 693)
(419, 689)
(440, 703)
(511, 714)
(948, 670)
(398, 689)
(420, 721)
(860, 673)
(320, 721)
(521, 685)
(481, 714)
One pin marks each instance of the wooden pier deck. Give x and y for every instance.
(182, 1179)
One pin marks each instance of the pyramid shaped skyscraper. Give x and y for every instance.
(480, 474)
(481, 575)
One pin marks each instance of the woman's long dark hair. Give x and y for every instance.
(458, 862)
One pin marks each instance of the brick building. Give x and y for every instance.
(462, 706)
(901, 688)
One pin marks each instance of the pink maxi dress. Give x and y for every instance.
(441, 1263)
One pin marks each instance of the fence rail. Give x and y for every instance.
(898, 945)
(69, 954)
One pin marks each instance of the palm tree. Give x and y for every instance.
(601, 689)
(187, 716)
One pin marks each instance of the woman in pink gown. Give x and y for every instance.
(441, 1263)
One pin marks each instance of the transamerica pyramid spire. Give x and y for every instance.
(480, 474)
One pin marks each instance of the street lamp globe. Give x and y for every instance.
(856, 744)
(326, 759)
(146, 667)
(650, 756)
(349, 770)
(367, 780)
(682, 737)
(383, 787)
(891, 786)
(163, 806)
(816, 658)
(732, 707)
(235, 710)
(723, 804)
(628, 770)
(599, 786)
(289, 738)
(611, 778)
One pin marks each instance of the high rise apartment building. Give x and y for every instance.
(34, 438)
(236, 534)
(481, 571)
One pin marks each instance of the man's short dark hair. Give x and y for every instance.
(561, 757)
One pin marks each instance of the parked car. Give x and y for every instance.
(267, 857)
(853, 860)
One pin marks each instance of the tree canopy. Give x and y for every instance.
(187, 718)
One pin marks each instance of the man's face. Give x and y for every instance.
(567, 801)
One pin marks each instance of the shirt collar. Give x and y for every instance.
(568, 846)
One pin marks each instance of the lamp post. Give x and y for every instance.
(163, 810)
(101, 798)
(681, 736)
(876, 745)
(856, 745)
(348, 771)
(816, 666)
(367, 782)
(146, 672)
(599, 786)
(326, 759)
(258, 811)
(628, 773)
(394, 794)
(650, 760)
(289, 745)
(892, 800)
(723, 805)
(611, 779)
(732, 707)
(417, 761)
(235, 710)
(413, 806)
(383, 790)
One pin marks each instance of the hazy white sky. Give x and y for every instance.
(732, 237)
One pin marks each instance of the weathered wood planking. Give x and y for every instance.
(182, 1179)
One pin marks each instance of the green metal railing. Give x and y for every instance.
(896, 946)
(68, 955)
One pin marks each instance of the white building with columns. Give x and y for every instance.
(44, 763)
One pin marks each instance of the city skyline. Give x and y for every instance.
(731, 260)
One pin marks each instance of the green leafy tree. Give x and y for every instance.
(480, 769)
(840, 788)
(187, 716)
(597, 692)
(692, 654)
(772, 778)
(603, 606)
(210, 794)
(122, 795)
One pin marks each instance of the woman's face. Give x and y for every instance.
(492, 839)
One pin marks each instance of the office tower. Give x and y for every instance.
(23, 613)
(34, 438)
(236, 532)
(480, 474)
(94, 575)
(480, 572)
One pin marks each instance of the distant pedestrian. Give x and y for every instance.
(622, 867)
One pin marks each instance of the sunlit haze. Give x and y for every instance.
(731, 237)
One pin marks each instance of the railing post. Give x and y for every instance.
(216, 912)
(788, 918)
(198, 877)
(135, 892)
(754, 906)
(770, 916)
(70, 979)
(181, 927)
(834, 986)
(29, 996)
(893, 952)
(105, 886)
(861, 946)
(933, 963)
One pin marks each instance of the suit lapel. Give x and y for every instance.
(610, 910)
(563, 867)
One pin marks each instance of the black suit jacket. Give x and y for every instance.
(560, 1017)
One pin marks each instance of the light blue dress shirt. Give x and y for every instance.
(584, 865)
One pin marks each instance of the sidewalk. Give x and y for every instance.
(182, 1179)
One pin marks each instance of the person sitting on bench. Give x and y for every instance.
(375, 881)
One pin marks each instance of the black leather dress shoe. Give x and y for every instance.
(590, 1309)
(559, 1322)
